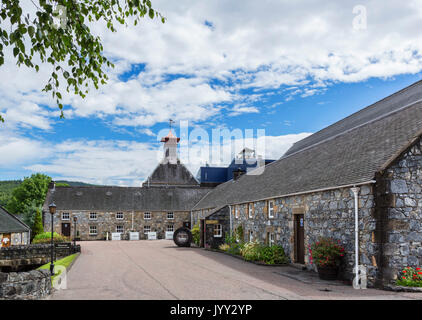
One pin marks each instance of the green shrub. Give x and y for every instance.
(224, 247)
(230, 239)
(46, 238)
(273, 255)
(196, 234)
(239, 234)
(251, 251)
(235, 248)
(37, 228)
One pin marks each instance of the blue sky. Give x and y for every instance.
(290, 69)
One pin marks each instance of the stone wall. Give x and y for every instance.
(326, 214)
(223, 218)
(34, 254)
(108, 222)
(32, 285)
(399, 210)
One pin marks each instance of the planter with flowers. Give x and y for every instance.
(327, 254)
(410, 277)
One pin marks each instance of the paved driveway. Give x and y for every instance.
(160, 270)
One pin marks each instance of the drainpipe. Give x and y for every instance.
(132, 221)
(231, 223)
(355, 191)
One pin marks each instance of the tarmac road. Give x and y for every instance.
(160, 270)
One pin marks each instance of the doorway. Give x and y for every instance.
(66, 229)
(299, 239)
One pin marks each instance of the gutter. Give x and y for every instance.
(301, 193)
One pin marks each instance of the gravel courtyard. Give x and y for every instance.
(160, 270)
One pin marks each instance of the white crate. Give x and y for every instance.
(169, 235)
(133, 235)
(116, 236)
(152, 235)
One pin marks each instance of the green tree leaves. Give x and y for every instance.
(30, 193)
(63, 39)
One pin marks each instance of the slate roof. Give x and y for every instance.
(389, 104)
(111, 198)
(10, 223)
(172, 174)
(349, 152)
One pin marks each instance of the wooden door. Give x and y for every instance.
(66, 229)
(299, 239)
(7, 239)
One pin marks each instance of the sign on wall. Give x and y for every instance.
(169, 235)
(211, 221)
(115, 236)
(152, 235)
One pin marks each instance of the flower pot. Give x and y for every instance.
(328, 272)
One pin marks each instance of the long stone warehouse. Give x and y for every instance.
(306, 194)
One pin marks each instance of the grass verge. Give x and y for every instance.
(65, 262)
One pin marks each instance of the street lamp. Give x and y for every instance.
(75, 219)
(52, 208)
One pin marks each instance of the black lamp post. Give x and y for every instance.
(52, 208)
(75, 219)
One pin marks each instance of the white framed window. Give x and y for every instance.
(92, 230)
(119, 229)
(271, 209)
(93, 216)
(236, 210)
(250, 210)
(271, 239)
(170, 227)
(170, 215)
(147, 229)
(250, 235)
(218, 231)
(119, 215)
(147, 216)
(65, 216)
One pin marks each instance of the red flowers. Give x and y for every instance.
(411, 277)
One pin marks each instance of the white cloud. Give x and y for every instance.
(120, 162)
(259, 45)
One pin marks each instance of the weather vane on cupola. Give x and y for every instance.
(171, 122)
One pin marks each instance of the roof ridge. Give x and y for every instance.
(351, 129)
(401, 91)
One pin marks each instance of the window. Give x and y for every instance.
(170, 227)
(93, 216)
(250, 210)
(65, 216)
(119, 215)
(147, 216)
(236, 209)
(271, 239)
(218, 231)
(170, 215)
(250, 235)
(119, 229)
(92, 230)
(271, 209)
(147, 229)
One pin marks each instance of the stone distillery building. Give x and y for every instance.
(161, 205)
(372, 157)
